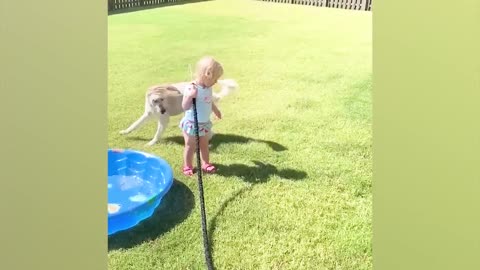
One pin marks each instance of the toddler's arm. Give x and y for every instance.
(216, 111)
(189, 94)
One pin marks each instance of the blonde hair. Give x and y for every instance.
(207, 67)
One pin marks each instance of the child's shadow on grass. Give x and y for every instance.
(258, 173)
(219, 139)
(174, 208)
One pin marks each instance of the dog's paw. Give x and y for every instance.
(123, 132)
(151, 143)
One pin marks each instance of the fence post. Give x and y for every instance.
(363, 4)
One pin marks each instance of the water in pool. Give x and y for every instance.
(127, 192)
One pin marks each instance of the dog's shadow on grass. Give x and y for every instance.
(174, 208)
(219, 139)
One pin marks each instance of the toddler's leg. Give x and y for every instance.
(190, 146)
(204, 154)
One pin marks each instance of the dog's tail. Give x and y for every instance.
(228, 87)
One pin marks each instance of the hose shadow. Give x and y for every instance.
(254, 175)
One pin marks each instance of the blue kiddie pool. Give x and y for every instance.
(137, 182)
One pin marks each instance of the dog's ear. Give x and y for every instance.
(173, 91)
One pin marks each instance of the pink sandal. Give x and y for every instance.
(188, 171)
(208, 168)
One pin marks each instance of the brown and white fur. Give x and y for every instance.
(163, 101)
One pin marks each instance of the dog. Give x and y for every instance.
(165, 100)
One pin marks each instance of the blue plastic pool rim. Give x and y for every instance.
(167, 173)
(167, 188)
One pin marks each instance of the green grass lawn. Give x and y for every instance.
(294, 149)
